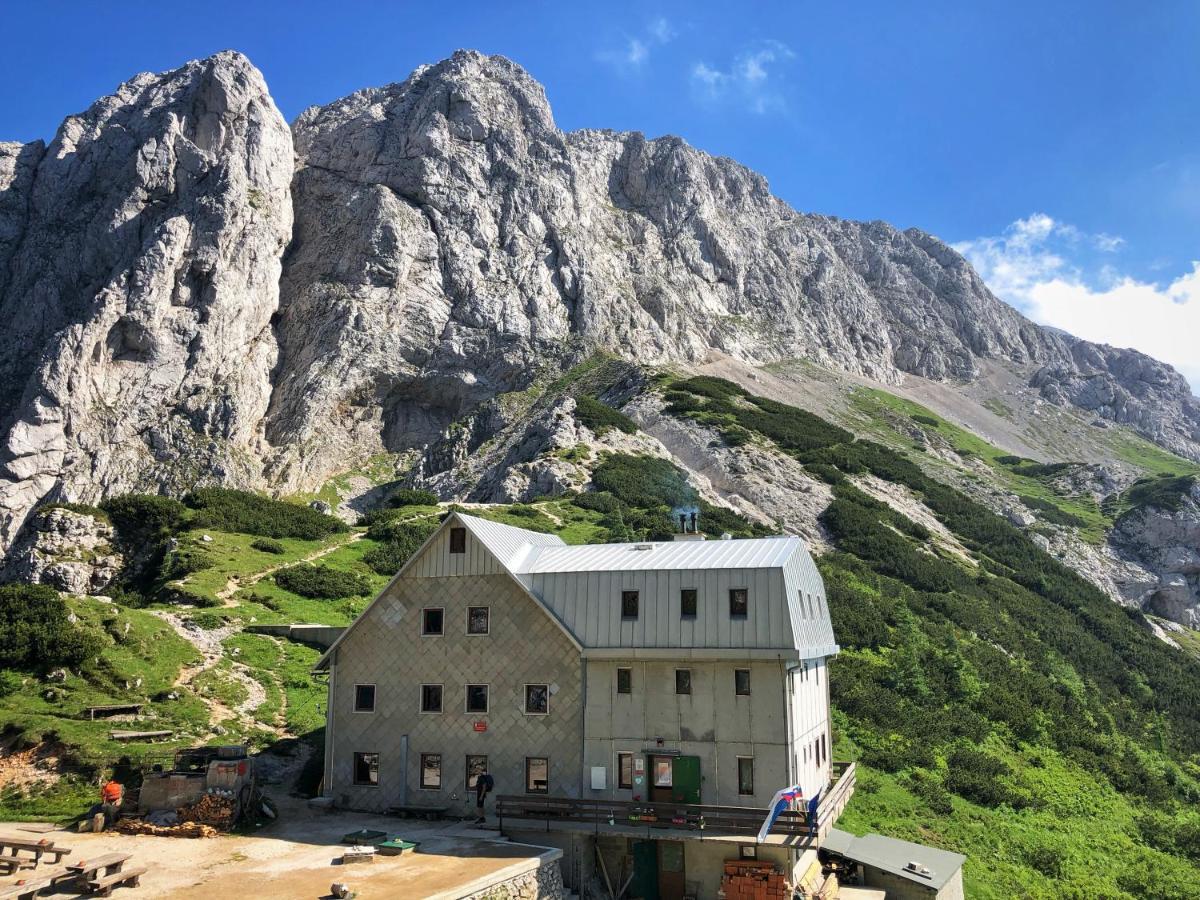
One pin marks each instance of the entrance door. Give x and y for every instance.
(662, 778)
(670, 870)
(685, 779)
(645, 870)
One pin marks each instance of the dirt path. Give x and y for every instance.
(236, 583)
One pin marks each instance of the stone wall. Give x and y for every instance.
(543, 883)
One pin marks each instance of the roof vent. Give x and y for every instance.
(643, 546)
(726, 536)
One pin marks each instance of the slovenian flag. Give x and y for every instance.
(783, 799)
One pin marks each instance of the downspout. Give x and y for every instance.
(328, 776)
(584, 781)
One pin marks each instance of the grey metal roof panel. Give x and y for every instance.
(750, 553)
(509, 544)
(893, 855)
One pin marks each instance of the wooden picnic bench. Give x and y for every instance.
(109, 862)
(102, 886)
(15, 846)
(419, 812)
(31, 887)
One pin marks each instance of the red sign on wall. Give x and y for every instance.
(481, 726)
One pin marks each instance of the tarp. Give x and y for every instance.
(783, 799)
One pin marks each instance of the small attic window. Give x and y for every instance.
(458, 540)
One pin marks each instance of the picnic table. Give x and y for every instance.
(30, 888)
(14, 846)
(103, 873)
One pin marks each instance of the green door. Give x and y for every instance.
(645, 870)
(685, 779)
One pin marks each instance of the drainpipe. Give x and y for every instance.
(328, 792)
(584, 781)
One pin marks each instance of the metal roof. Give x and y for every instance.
(893, 855)
(509, 544)
(753, 553)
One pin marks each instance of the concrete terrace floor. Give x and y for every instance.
(298, 857)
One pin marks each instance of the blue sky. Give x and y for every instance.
(1057, 144)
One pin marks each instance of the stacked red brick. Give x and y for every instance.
(751, 879)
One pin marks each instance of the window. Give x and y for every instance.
(687, 603)
(745, 775)
(824, 750)
(477, 698)
(431, 771)
(741, 682)
(366, 769)
(537, 775)
(625, 771)
(629, 604)
(433, 620)
(431, 698)
(364, 698)
(537, 699)
(476, 766)
(739, 603)
(458, 540)
(478, 620)
(624, 681)
(683, 681)
(747, 851)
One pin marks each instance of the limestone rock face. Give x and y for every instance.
(68, 550)
(142, 253)
(1165, 545)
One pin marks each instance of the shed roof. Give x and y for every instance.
(893, 855)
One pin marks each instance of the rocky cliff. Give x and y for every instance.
(449, 243)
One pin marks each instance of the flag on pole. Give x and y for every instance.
(782, 800)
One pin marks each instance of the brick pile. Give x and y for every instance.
(752, 879)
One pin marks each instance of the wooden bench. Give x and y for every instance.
(16, 846)
(32, 887)
(104, 884)
(431, 813)
(87, 869)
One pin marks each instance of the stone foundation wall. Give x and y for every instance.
(543, 883)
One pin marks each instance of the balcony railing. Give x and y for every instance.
(702, 820)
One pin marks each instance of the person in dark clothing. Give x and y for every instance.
(484, 785)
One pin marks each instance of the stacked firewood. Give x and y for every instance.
(184, 829)
(211, 809)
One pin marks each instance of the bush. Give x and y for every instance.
(321, 582)
(144, 520)
(974, 776)
(643, 481)
(267, 545)
(82, 508)
(922, 419)
(600, 501)
(185, 561)
(404, 540)
(35, 632)
(601, 418)
(224, 509)
(412, 497)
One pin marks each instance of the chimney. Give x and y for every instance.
(689, 527)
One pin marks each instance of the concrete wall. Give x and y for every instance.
(899, 888)
(317, 635)
(712, 723)
(387, 649)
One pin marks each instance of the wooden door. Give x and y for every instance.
(661, 778)
(685, 779)
(670, 870)
(645, 870)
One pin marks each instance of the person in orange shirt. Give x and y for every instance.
(111, 796)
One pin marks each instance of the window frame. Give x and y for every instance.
(361, 755)
(629, 670)
(525, 699)
(621, 785)
(545, 790)
(688, 675)
(374, 697)
(636, 597)
(695, 598)
(487, 687)
(424, 621)
(458, 536)
(740, 760)
(467, 770)
(441, 698)
(737, 691)
(440, 770)
(488, 615)
(745, 614)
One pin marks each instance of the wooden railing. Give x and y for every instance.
(696, 817)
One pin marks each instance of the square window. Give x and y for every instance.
(433, 620)
(431, 771)
(745, 775)
(741, 682)
(537, 699)
(739, 603)
(683, 681)
(748, 851)
(431, 698)
(476, 766)
(364, 698)
(458, 540)
(477, 698)
(478, 620)
(366, 769)
(687, 602)
(624, 681)
(625, 771)
(537, 775)
(629, 604)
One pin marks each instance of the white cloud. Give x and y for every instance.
(1031, 267)
(635, 52)
(751, 78)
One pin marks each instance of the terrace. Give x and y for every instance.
(679, 821)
